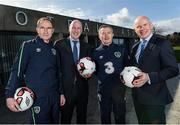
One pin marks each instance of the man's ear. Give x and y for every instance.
(53, 30)
(37, 30)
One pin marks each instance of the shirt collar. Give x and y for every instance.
(72, 44)
(148, 38)
(106, 46)
(71, 39)
(38, 39)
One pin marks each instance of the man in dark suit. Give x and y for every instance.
(154, 56)
(75, 86)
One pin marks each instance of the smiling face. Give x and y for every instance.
(143, 27)
(106, 35)
(45, 30)
(75, 29)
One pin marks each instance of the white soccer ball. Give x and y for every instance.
(86, 66)
(24, 97)
(129, 74)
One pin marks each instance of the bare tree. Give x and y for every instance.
(158, 30)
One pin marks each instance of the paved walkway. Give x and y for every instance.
(172, 110)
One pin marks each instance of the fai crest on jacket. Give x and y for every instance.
(53, 51)
(117, 54)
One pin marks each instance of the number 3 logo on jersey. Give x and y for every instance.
(109, 68)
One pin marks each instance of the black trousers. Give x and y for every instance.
(78, 100)
(150, 114)
(112, 101)
(45, 110)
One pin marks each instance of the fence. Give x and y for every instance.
(9, 46)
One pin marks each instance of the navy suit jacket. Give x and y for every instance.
(69, 73)
(159, 62)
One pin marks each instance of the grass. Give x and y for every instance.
(176, 47)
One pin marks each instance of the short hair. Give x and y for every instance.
(104, 26)
(142, 17)
(72, 23)
(47, 18)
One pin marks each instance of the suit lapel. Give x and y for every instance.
(82, 50)
(133, 53)
(67, 46)
(148, 50)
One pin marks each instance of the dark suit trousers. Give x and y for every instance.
(78, 101)
(150, 114)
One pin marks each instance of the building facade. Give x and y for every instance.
(18, 24)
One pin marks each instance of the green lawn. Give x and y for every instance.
(176, 47)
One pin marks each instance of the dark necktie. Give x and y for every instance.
(142, 49)
(75, 51)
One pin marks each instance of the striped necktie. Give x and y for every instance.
(142, 49)
(75, 51)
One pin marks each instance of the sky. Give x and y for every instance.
(165, 14)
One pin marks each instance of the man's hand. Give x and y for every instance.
(87, 76)
(122, 80)
(62, 100)
(12, 104)
(142, 79)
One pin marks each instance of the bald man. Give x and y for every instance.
(76, 88)
(154, 56)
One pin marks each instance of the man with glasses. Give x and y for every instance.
(37, 64)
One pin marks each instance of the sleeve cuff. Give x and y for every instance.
(149, 80)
